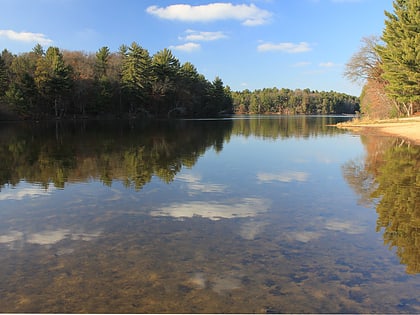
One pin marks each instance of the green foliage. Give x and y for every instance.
(400, 55)
(131, 83)
(53, 80)
(286, 101)
(165, 69)
(101, 65)
(135, 75)
(127, 83)
(3, 77)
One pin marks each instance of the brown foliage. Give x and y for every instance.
(373, 102)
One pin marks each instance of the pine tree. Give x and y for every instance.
(53, 79)
(135, 75)
(3, 77)
(165, 75)
(101, 63)
(400, 54)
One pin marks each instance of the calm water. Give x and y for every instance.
(253, 214)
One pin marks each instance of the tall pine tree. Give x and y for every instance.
(53, 80)
(135, 75)
(3, 77)
(400, 55)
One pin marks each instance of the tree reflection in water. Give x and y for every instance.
(130, 152)
(389, 178)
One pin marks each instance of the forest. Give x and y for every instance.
(286, 101)
(132, 83)
(129, 83)
(389, 66)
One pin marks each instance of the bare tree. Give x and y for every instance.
(366, 63)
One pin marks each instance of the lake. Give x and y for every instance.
(252, 214)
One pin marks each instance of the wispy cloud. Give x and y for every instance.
(192, 35)
(48, 237)
(245, 207)
(187, 47)
(23, 193)
(328, 64)
(27, 37)
(349, 227)
(249, 15)
(287, 47)
(195, 184)
(285, 177)
(303, 236)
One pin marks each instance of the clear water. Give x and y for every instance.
(244, 215)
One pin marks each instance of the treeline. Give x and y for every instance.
(129, 83)
(390, 66)
(286, 101)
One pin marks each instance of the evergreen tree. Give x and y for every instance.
(101, 64)
(400, 54)
(38, 50)
(3, 77)
(135, 75)
(165, 69)
(53, 79)
(220, 101)
(22, 92)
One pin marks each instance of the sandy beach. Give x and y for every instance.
(406, 128)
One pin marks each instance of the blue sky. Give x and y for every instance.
(249, 44)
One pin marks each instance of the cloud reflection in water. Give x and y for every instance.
(21, 192)
(194, 185)
(47, 237)
(245, 207)
(284, 177)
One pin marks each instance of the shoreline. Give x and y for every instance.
(405, 128)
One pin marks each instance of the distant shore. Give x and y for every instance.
(406, 128)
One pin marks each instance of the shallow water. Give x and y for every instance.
(251, 214)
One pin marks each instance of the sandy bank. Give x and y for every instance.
(407, 128)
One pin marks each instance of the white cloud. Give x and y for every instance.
(27, 37)
(285, 47)
(187, 47)
(328, 64)
(285, 177)
(249, 15)
(202, 36)
(245, 207)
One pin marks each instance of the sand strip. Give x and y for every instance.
(406, 128)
